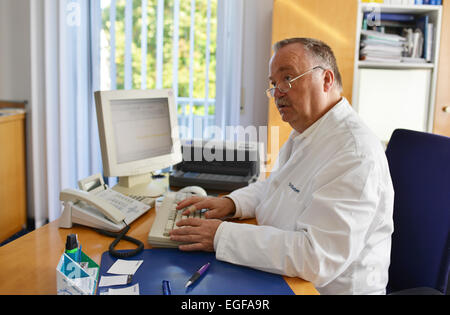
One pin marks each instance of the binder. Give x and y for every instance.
(393, 17)
(177, 267)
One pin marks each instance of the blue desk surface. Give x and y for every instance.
(176, 266)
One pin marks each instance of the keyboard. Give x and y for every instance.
(166, 218)
(150, 201)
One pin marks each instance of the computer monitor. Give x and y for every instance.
(138, 132)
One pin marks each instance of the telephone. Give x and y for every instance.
(107, 211)
(97, 206)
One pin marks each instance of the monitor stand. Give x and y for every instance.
(142, 185)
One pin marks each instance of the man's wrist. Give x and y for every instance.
(217, 236)
(234, 207)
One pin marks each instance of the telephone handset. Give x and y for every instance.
(100, 204)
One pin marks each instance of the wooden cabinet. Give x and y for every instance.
(442, 107)
(331, 21)
(12, 175)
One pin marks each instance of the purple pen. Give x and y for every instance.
(197, 274)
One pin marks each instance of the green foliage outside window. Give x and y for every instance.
(200, 50)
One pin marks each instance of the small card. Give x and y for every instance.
(108, 281)
(133, 290)
(125, 267)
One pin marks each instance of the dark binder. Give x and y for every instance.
(176, 266)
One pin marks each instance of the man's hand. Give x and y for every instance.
(200, 233)
(218, 207)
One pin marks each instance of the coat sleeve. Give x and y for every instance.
(247, 199)
(329, 234)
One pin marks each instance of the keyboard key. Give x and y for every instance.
(169, 227)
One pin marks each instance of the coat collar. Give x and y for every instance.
(307, 135)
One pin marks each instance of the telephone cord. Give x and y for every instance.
(121, 236)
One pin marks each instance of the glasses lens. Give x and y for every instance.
(284, 86)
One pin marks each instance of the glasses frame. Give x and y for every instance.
(270, 92)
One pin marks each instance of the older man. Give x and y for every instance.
(325, 214)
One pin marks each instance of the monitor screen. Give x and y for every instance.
(138, 132)
(141, 128)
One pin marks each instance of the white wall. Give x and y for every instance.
(15, 70)
(15, 66)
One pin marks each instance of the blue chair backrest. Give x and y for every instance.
(420, 169)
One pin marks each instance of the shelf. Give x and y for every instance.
(394, 65)
(389, 83)
(401, 9)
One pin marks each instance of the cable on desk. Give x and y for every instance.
(121, 236)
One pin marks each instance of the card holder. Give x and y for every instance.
(73, 278)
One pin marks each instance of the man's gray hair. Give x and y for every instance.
(318, 50)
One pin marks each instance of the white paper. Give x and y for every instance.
(133, 290)
(107, 281)
(125, 267)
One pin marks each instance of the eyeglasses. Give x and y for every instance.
(286, 85)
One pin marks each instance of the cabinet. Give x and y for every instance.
(12, 174)
(442, 107)
(331, 21)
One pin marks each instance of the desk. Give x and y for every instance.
(28, 264)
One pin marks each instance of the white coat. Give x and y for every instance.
(325, 215)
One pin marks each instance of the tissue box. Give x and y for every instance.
(74, 278)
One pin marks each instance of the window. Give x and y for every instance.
(148, 44)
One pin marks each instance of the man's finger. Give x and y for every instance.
(190, 222)
(191, 247)
(189, 210)
(189, 201)
(203, 204)
(186, 230)
(185, 238)
(213, 214)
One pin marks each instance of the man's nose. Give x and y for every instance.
(277, 94)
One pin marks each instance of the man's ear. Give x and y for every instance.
(328, 82)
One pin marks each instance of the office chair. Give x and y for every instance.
(420, 169)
